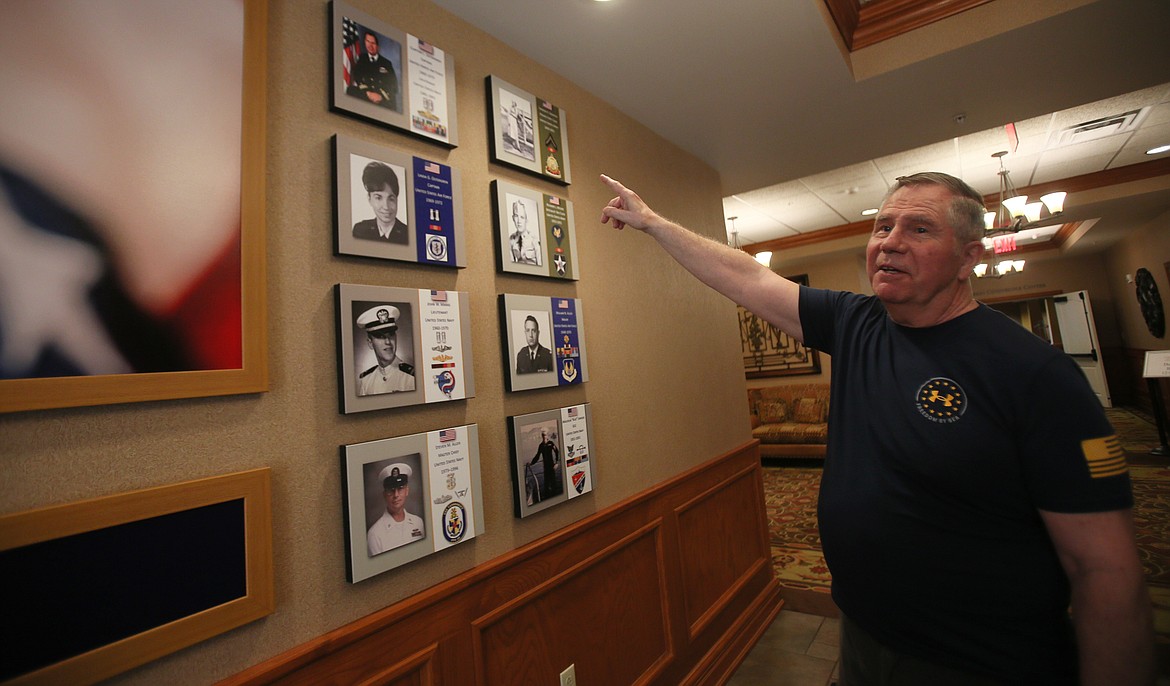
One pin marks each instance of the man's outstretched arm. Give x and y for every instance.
(731, 272)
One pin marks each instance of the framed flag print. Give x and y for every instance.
(170, 292)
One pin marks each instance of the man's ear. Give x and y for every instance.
(972, 255)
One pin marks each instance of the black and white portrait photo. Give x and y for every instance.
(524, 244)
(515, 120)
(377, 201)
(533, 356)
(540, 460)
(382, 340)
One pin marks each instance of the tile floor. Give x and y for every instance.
(798, 649)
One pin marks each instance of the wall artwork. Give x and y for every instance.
(395, 206)
(401, 346)
(386, 76)
(534, 232)
(527, 132)
(544, 341)
(1150, 302)
(551, 457)
(140, 574)
(168, 286)
(768, 351)
(408, 497)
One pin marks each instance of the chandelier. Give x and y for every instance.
(1014, 213)
(1001, 268)
(763, 257)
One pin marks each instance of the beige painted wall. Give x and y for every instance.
(1148, 246)
(666, 384)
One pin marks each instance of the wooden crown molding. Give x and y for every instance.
(863, 25)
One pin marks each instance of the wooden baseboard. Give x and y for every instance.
(782, 450)
(650, 591)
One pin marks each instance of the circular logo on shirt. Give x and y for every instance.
(941, 400)
(454, 522)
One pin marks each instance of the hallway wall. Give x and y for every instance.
(665, 386)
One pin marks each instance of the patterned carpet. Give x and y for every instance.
(790, 494)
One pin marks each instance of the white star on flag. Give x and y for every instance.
(44, 288)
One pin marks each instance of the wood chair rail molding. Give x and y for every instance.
(664, 594)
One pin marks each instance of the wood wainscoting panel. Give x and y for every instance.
(415, 670)
(619, 594)
(722, 545)
(670, 586)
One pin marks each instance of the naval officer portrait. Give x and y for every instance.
(533, 357)
(391, 374)
(396, 527)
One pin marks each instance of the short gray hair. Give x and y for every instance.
(966, 210)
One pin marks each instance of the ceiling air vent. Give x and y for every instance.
(1100, 128)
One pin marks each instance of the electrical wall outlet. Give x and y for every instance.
(569, 676)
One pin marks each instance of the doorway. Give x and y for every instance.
(1065, 320)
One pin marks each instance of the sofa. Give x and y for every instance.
(790, 421)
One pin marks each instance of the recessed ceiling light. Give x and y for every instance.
(1158, 150)
(870, 212)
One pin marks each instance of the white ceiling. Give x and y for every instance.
(761, 91)
(839, 196)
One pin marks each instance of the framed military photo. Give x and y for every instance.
(408, 497)
(395, 206)
(551, 453)
(534, 232)
(384, 75)
(401, 346)
(527, 132)
(544, 342)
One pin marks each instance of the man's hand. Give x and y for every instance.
(626, 209)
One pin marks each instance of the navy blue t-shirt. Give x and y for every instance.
(943, 443)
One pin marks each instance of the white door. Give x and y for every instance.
(1078, 334)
